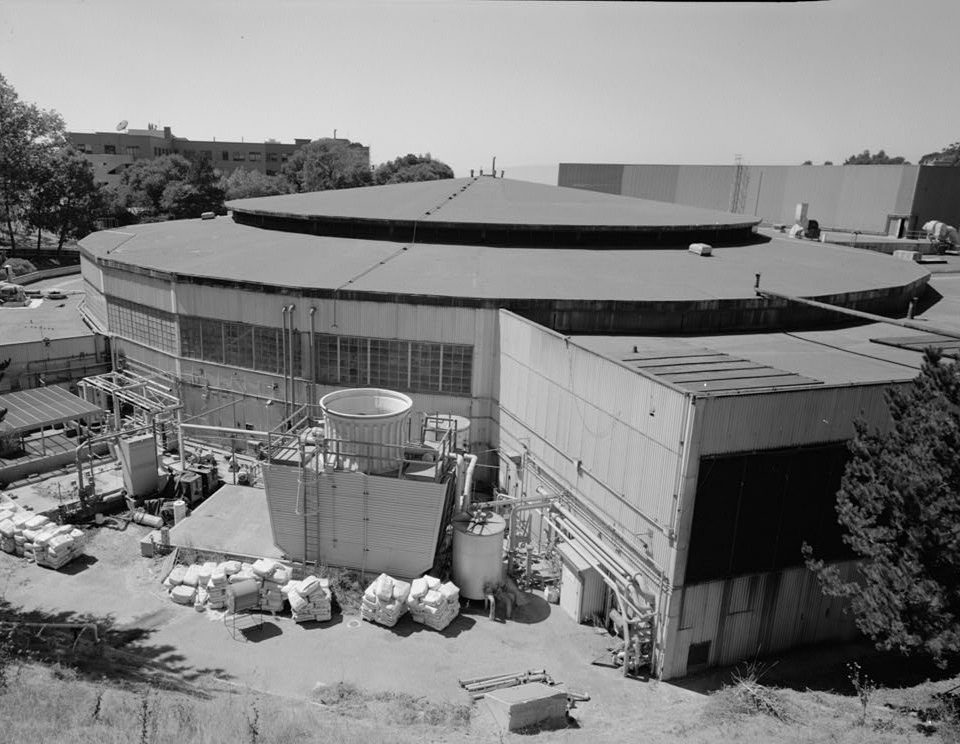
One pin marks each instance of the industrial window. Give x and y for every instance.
(236, 344)
(425, 366)
(133, 150)
(753, 512)
(146, 325)
(418, 366)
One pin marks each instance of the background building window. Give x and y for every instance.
(109, 149)
(133, 150)
(239, 156)
(255, 156)
(224, 155)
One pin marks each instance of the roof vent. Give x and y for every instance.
(701, 249)
(207, 216)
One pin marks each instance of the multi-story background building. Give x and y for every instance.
(111, 152)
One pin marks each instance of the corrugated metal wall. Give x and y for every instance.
(144, 290)
(567, 404)
(369, 523)
(744, 423)
(754, 615)
(852, 197)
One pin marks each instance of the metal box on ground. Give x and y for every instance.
(532, 704)
(138, 457)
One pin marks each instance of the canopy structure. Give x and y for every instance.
(30, 410)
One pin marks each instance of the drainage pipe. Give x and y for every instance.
(313, 358)
(283, 357)
(293, 389)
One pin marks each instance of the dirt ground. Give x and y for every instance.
(116, 586)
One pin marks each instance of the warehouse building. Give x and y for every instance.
(560, 323)
(892, 200)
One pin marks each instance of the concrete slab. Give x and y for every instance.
(233, 520)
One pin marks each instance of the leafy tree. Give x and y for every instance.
(246, 184)
(877, 158)
(807, 162)
(200, 192)
(28, 137)
(412, 168)
(143, 184)
(899, 509)
(949, 155)
(328, 164)
(68, 199)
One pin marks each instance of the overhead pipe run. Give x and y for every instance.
(290, 342)
(283, 358)
(313, 357)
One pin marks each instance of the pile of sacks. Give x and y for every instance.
(204, 585)
(385, 601)
(273, 577)
(433, 604)
(35, 537)
(310, 599)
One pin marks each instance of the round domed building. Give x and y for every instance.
(702, 427)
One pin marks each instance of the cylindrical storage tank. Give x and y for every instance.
(439, 423)
(179, 511)
(369, 423)
(477, 552)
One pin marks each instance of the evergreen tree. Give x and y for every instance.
(899, 507)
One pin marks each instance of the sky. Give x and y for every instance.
(532, 83)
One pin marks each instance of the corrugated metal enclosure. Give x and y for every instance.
(613, 435)
(850, 197)
(365, 522)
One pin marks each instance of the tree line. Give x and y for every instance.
(949, 155)
(47, 186)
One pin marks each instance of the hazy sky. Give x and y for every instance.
(532, 83)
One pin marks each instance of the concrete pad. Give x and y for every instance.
(233, 520)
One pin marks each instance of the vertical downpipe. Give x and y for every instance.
(283, 356)
(313, 360)
(293, 389)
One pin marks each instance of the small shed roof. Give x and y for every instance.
(28, 410)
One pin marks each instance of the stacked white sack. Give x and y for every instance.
(31, 528)
(309, 599)
(272, 576)
(434, 604)
(7, 528)
(19, 520)
(55, 546)
(385, 601)
(217, 588)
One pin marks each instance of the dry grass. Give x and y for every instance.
(51, 705)
(397, 707)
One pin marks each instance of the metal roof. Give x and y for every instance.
(705, 371)
(494, 201)
(747, 362)
(29, 410)
(948, 347)
(223, 250)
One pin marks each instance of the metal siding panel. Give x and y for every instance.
(282, 485)
(144, 290)
(706, 186)
(593, 595)
(744, 423)
(657, 182)
(868, 194)
(604, 178)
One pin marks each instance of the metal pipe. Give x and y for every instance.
(860, 314)
(467, 494)
(228, 429)
(313, 357)
(293, 387)
(283, 357)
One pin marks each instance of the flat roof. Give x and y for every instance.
(224, 250)
(28, 410)
(493, 201)
(760, 362)
(45, 319)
